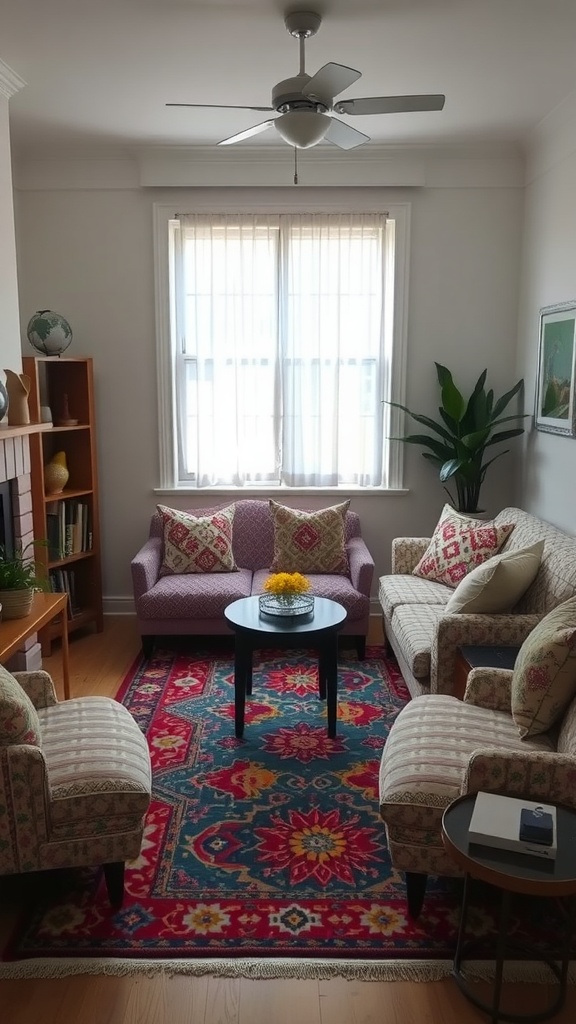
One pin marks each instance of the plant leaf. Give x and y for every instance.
(503, 402)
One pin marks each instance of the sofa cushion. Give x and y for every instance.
(397, 589)
(197, 544)
(98, 767)
(19, 722)
(544, 680)
(172, 597)
(414, 627)
(498, 584)
(309, 541)
(426, 756)
(458, 545)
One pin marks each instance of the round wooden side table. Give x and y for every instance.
(512, 873)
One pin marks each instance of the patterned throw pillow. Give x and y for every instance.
(197, 543)
(458, 545)
(309, 541)
(544, 680)
(19, 722)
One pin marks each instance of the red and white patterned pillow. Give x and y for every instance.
(458, 545)
(197, 543)
(309, 541)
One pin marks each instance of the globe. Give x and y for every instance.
(49, 332)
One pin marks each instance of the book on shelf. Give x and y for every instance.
(68, 528)
(63, 581)
(496, 822)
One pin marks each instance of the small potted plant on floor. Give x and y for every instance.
(20, 577)
(460, 439)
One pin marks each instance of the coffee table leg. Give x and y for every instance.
(242, 676)
(331, 668)
(322, 674)
(500, 953)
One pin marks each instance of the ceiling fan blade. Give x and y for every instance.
(255, 130)
(218, 106)
(344, 136)
(390, 104)
(329, 81)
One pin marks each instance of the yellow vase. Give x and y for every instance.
(56, 474)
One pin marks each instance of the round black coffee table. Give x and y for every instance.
(253, 632)
(512, 873)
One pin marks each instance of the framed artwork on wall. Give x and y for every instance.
(555, 405)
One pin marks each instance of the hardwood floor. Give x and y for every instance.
(98, 663)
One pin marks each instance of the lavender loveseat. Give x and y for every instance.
(194, 603)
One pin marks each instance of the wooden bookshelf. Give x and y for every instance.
(72, 558)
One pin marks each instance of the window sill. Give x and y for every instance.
(284, 492)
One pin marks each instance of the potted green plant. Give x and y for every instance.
(462, 435)
(20, 577)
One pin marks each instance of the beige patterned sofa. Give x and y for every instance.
(425, 640)
(440, 747)
(75, 781)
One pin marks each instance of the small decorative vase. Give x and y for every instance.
(56, 474)
(18, 387)
(16, 604)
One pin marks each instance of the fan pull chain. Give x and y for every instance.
(295, 165)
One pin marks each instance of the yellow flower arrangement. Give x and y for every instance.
(286, 584)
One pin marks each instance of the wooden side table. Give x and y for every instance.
(469, 657)
(45, 608)
(511, 873)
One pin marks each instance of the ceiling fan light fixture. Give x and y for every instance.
(302, 128)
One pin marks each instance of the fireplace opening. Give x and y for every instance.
(6, 522)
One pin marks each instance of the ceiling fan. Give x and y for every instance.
(305, 104)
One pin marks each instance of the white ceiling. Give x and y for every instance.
(100, 71)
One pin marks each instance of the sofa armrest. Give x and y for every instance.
(407, 552)
(24, 803)
(361, 565)
(39, 687)
(146, 566)
(489, 688)
(533, 774)
(454, 631)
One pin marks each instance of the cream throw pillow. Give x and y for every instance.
(458, 545)
(498, 584)
(544, 679)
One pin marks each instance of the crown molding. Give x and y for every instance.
(486, 165)
(10, 82)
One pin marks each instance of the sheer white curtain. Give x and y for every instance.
(279, 349)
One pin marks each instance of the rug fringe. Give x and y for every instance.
(302, 970)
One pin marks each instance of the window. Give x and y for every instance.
(278, 350)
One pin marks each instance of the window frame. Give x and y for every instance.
(399, 217)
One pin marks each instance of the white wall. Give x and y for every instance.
(548, 484)
(10, 355)
(84, 244)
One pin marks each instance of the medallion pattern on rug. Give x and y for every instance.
(267, 846)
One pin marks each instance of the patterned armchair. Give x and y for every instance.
(75, 781)
(440, 748)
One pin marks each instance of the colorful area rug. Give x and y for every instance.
(271, 846)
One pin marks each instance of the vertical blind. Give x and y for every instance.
(281, 349)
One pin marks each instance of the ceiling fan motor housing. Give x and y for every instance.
(287, 95)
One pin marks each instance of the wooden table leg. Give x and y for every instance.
(65, 659)
(242, 679)
(331, 668)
